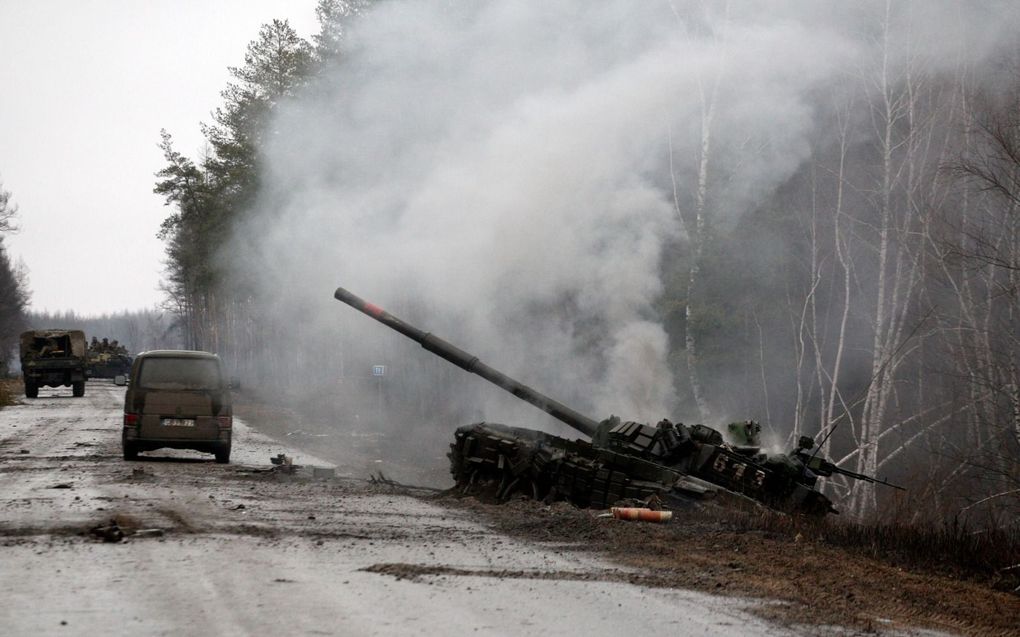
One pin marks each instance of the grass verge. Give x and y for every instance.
(10, 390)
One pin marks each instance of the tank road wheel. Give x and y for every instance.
(222, 454)
(31, 389)
(78, 388)
(130, 451)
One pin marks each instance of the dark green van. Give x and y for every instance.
(178, 399)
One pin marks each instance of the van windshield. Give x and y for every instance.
(180, 373)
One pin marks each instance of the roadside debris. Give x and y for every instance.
(114, 532)
(305, 434)
(148, 533)
(284, 463)
(140, 474)
(323, 472)
(380, 479)
(108, 532)
(639, 514)
(62, 485)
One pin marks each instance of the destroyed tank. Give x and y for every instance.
(623, 460)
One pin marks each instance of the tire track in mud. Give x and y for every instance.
(421, 572)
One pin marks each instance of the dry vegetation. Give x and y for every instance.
(10, 389)
(829, 573)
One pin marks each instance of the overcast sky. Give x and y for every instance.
(85, 87)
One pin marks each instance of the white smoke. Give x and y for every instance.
(512, 163)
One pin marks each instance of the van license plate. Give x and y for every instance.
(177, 422)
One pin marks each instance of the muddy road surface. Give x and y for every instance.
(241, 549)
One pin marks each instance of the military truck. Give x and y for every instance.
(53, 358)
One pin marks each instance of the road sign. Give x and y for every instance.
(378, 370)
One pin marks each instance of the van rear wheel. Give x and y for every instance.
(31, 389)
(78, 388)
(222, 454)
(130, 452)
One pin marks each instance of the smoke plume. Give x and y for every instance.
(509, 175)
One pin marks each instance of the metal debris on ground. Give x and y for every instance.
(284, 463)
(148, 533)
(114, 532)
(380, 479)
(108, 532)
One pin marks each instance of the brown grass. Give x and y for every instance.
(987, 556)
(10, 390)
(866, 577)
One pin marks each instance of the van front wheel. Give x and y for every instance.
(78, 388)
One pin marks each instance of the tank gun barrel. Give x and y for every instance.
(825, 468)
(470, 363)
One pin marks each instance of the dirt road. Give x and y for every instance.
(240, 550)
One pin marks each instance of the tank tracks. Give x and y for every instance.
(502, 461)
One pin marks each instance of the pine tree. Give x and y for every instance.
(14, 298)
